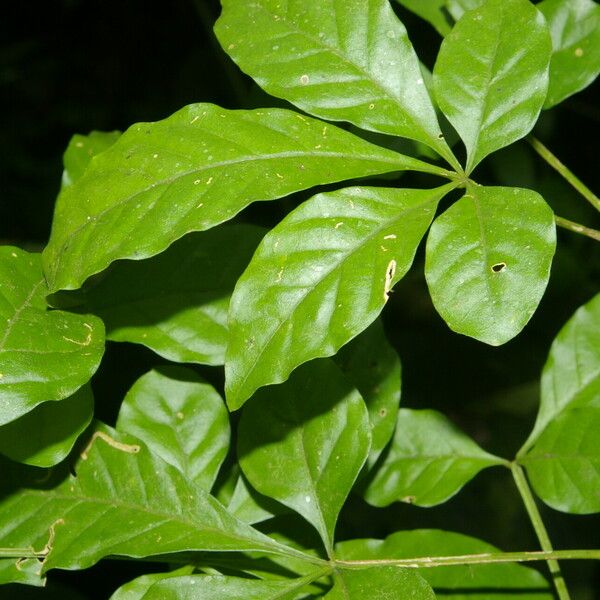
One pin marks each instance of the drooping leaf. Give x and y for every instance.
(305, 441)
(44, 436)
(428, 462)
(319, 278)
(182, 419)
(190, 172)
(343, 61)
(176, 303)
(251, 507)
(575, 30)
(379, 583)
(44, 355)
(124, 500)
(372, 365)
(135, 589)
(564, 464)
(468, 582)
(432, 11)
(490, 84)
(488, 261)
(218, 587)
(81, 150)
(571, 375)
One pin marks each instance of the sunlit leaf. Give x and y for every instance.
(81, 150)
(319, 278)
(490, 84)
(488, 261)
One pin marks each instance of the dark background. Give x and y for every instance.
(72, 66)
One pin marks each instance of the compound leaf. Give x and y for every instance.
(489, 84)
(349, 61)
(190, 172)
(44, 436)
(575, 30)
(319, 278)
(488, 261)
(468, 582)
(44, 355)
(182, 419)
(428, 461)
(304, 442)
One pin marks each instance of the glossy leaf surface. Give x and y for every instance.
(468, 582)
(372, 365)
(27, 572)
(44, 355)
(457, 8)
(575, 29)
(489, 84)
(564, 464)
(181, 418)
(190, 172)
(430, 10)
(305, 441)
(81, 150)
(176, 303)
(319, 278)
(135, 589)
(249, 506)
(379, 583)
(343, 61)
(428, 462)
(44, 436)
(120, 482)
(488, 261)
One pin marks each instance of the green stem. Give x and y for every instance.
(20, 553)
(540, 529)
(560, 168)
(578, 228)
(471, 559)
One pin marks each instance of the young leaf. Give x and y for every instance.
(468, 582)
(564, 464)
(428, 462)
(81, 150)
(379, 583)
(571, 375)
(44, 436)
(372, 365)
(135, 589)
(124, 501)
(575, 30)
(304, 443)
(488, 261)
(319, 278)
(489, 84)
(180, 418)
(176, 303)
(190, 172)
(44, 355)
(433, 11)
(343, 61)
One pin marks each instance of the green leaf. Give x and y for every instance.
(251, 507)
(218, 587)
(343, 61)
(468, 582)
(372, 365)
(428, 462)
(44, 436)
(44, 355)
(81, 150)
(304, 443)
(190, 172)
(432, 11)
(379, 583)
(571, 375)
(165, 305)
(319, 278)
(457, 8)
(123, 501)
(489, 84)
(182, 419)
(135, 589)
(23, 570)
(575, 30)
(564, 464)
(488, 261)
